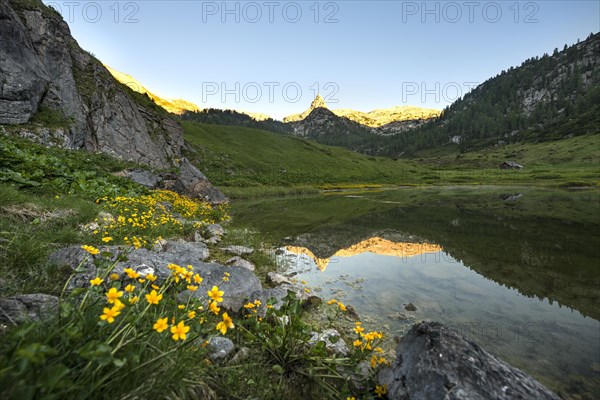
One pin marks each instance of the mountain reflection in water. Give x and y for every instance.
(375, 245)
(518, 274)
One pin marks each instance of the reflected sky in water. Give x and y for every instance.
(531, 333)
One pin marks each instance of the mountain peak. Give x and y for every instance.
(318, 102)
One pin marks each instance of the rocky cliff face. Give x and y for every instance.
(41, 65)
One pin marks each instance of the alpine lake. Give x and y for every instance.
(514, 268)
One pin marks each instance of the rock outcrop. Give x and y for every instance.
(193, 183)
(240, 286)
(435, 362)
(27, 307)
(43, 68)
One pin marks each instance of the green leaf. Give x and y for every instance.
(277, 369)
(97, 351)
(119, 362)
(77, 291)
(52, 376)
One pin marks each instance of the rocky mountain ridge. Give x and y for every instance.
(44, 71)
(383, 121)
(174, 106)
(546, 98)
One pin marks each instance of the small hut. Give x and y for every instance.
(510, 165)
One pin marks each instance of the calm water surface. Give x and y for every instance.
(515, 269)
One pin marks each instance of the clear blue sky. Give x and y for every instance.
(273, 55)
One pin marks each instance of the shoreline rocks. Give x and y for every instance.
(436, 362)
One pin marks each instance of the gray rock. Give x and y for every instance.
(27, 307)
(40, 62)
(220, 347)
(410, 307)
(238, 250)
(185, 251)
(360, 376)
(237, 289)
(213, 240)
(143, 177)
(193, 183)
(238, 261)
(214, 230)
(24, 80)
(435, 362)
(41, 65)
(333, 341)
(210, 234)
(241, 355)
(278, 279)
(398, 316)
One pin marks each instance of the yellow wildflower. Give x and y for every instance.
(96, 281)
(214, 307)
(118, 305)
(107, 239)
(134, 300)
(380, 390)
(249, 305)
(114, 277)
(192, 314)
(198, 279)
(342, 306)
(192, 287)
(358, 329)
(373, 361)
(155, 287)
(110, 314)
(227, 323)
(161, 324)
(113, 294)
(91, 249)
(181, 306)
(356, 343)
(216, 294)
(131, 273)
(179, 331)
(129, 288)
(153, 297)
(151, 277)
(332, 301)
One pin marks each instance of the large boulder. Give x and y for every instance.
(238, 286)
(23, 78)
(436, 362)
(193, 183)
(27, 307)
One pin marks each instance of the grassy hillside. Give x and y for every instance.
(567, 162)
(236, 156)
(241, 157)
